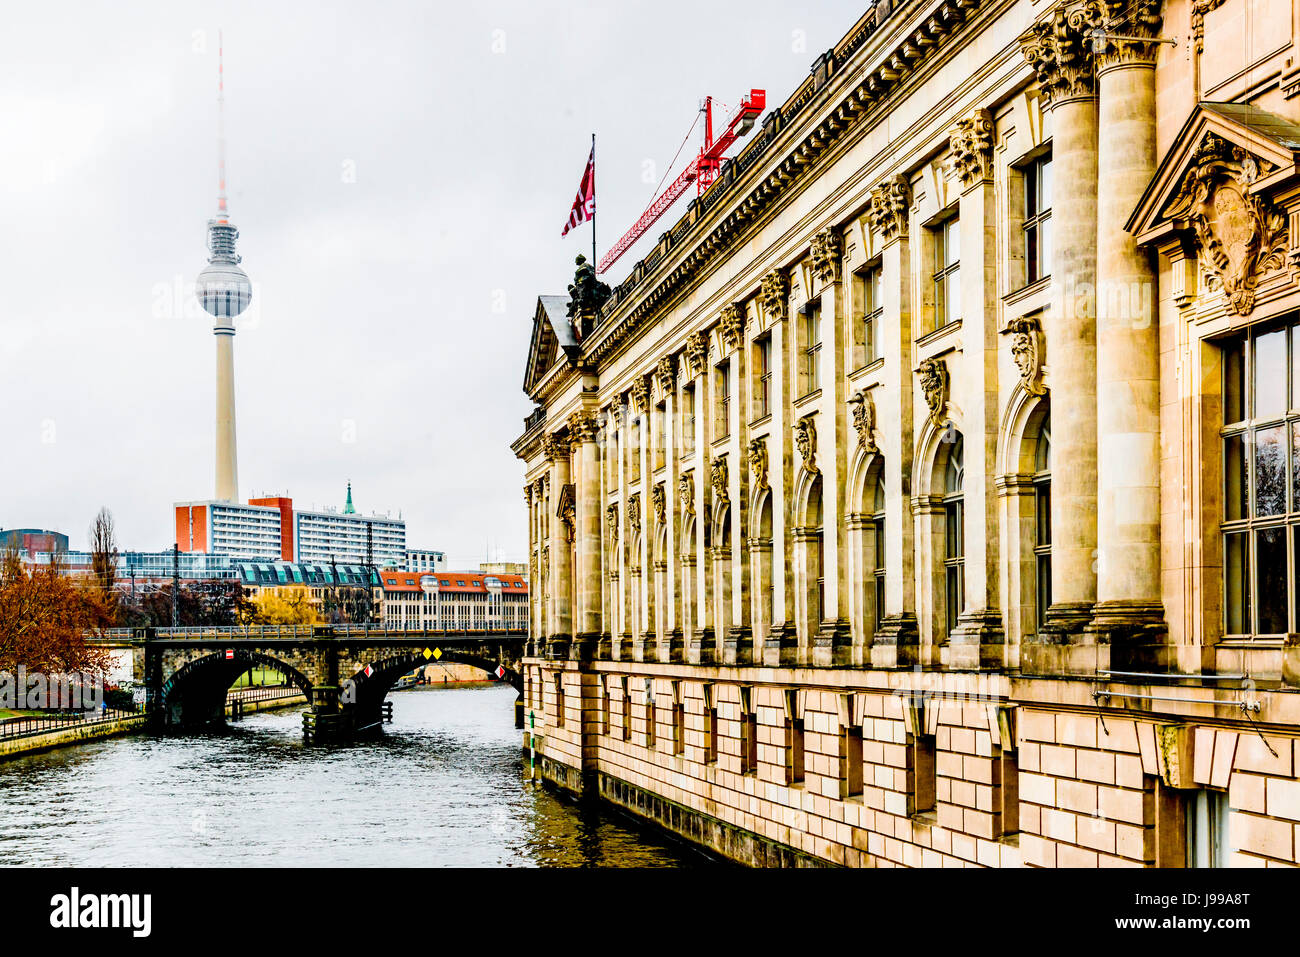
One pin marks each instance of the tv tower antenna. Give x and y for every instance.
(222, 213)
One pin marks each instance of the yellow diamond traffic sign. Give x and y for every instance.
(437, 652)
(427, 654)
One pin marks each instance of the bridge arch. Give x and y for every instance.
(368, 691)
(195, 694)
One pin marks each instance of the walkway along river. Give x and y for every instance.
(444, 786)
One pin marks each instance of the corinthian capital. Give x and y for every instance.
(827, 252)
(731, 324)
(1059, 48)
(774, 294)
(971, 143)
(1128, 29)
(582, 426)
(555, 447)
(889, 203)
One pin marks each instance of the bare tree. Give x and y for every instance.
(103, 550)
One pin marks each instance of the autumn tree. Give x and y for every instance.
(45, 618)
(285, 606)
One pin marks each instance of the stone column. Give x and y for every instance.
(833, 642)
(627, 538)
(586, 530)
(734, 558)
(1057, 49)
(561, 583)
(780, 643)
(1129, 615)
(674, 592)
(896, 641)
(978, 640)
(534, 573)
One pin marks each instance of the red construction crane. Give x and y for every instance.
(702, 170)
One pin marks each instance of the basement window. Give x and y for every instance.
(794, 739)
(851, 762)
(559, 700)
(710, 725)
(649, 713)
(921, 755)
(748, 732)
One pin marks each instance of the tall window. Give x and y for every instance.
(1207, 828)
(688, 418)
(1261, 501)
(851, 765)
(1006, 786)
(661, 434)
(794, 739)
(604, 704)
(954, 553)
(868, 281)
(817, 544)
(722, 376)
(748, 732)
(811, 341)
(1043, 518)
(679, 719)
(921, 757)
(649, 713)
(710, 725)
(763, 374)
(627, 709)
(1038, 219)
(878, 527)
(947, 275)
(559, 700)
(634, 448)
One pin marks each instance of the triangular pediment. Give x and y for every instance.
(1259, 149)
(552, 336)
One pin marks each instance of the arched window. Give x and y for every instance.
(954, 552)
(1043, 517)
(818, 571)
(878, 524)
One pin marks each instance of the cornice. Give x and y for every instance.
(865, 82)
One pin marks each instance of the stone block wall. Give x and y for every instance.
(1014, 782)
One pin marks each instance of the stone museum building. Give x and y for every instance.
(929, 495)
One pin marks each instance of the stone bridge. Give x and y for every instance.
(345, 672)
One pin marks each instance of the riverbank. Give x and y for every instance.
(77, 734)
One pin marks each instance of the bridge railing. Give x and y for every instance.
(28, 725)
(264, 693)
(112, 635)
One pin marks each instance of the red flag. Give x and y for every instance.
(584, 206)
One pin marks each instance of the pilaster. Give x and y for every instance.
(978, 641)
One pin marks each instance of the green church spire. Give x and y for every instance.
(348, 509)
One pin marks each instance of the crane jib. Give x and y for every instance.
(702, 171)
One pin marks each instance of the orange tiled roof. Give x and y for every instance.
(451, 582)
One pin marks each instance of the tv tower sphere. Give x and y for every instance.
(222, 287)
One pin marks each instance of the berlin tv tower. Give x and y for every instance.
(224, 290)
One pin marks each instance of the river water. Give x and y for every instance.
(445, 786)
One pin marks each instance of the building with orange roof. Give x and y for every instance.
(454, 601)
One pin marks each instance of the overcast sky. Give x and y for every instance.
(399, 173)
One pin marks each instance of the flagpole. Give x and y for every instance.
(593, 194)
